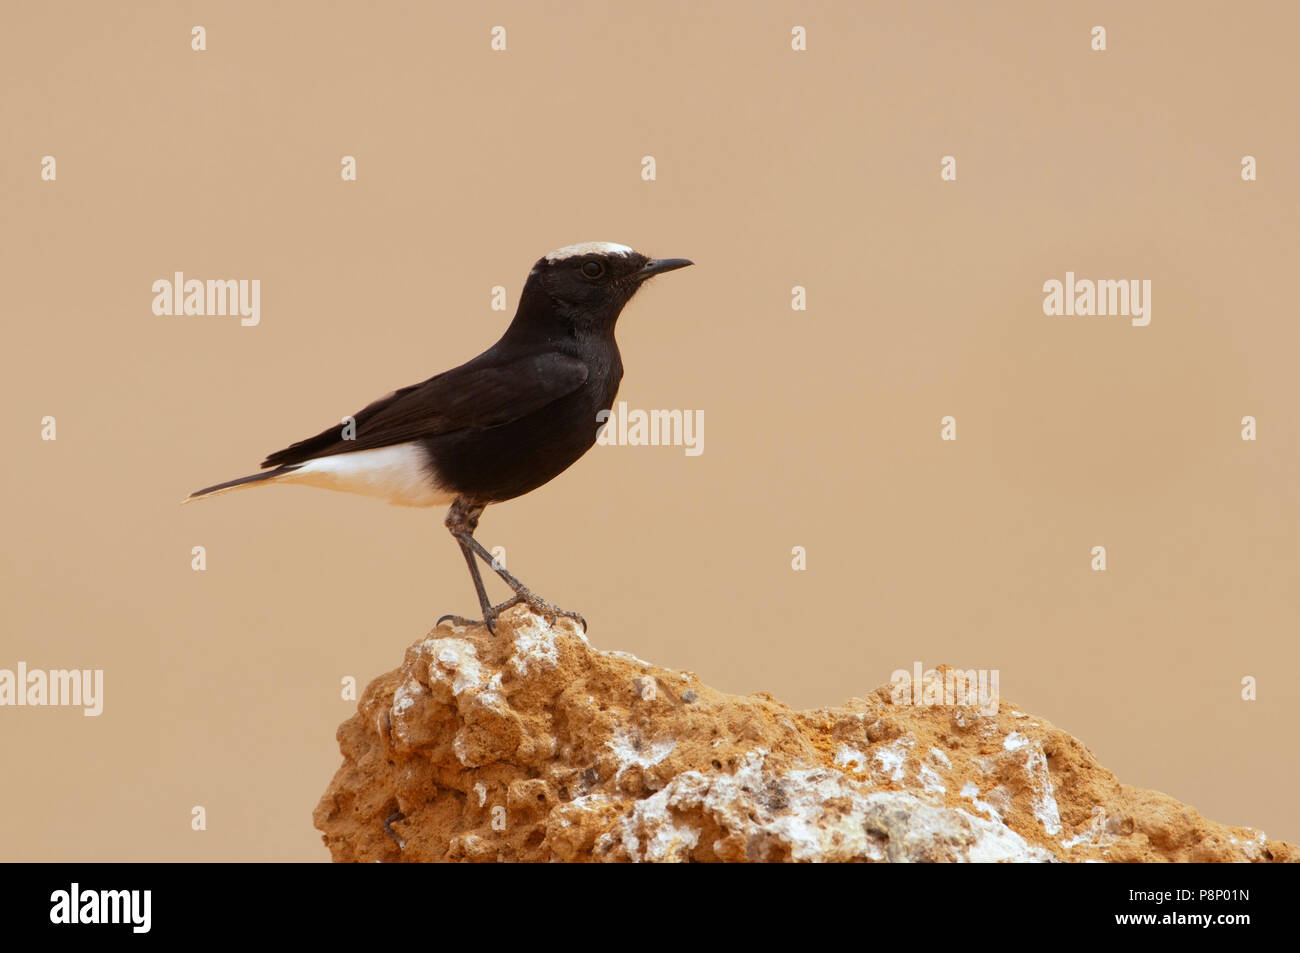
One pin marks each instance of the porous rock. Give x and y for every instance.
(533, 745)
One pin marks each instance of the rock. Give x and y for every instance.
(532, 745)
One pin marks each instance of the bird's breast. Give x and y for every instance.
(492, 464)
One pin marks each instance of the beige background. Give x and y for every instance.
(822, 428)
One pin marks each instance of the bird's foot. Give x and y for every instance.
(548, 610)
(536, 603)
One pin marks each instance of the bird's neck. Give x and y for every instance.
(538, 322)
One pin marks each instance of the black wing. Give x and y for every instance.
(472, 395)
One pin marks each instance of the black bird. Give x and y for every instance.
(505, 423)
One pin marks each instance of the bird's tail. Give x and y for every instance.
(254, 480)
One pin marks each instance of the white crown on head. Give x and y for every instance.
(589, 248)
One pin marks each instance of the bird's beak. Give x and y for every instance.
(657, 266)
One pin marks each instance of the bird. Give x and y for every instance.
(496, 427)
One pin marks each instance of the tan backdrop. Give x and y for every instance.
(775, 168)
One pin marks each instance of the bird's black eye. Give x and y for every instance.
(593, 269)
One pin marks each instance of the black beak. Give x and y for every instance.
(657, 266)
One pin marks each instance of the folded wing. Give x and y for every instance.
(475, 395)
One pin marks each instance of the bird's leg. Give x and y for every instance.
(462, 520)
(484, 603)
(522, 594)
(468, 540)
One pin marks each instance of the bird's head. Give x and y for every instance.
(589, 284)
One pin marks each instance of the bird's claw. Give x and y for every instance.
(457, 620)
(548, 610)
(576, 617)
(540, 606)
